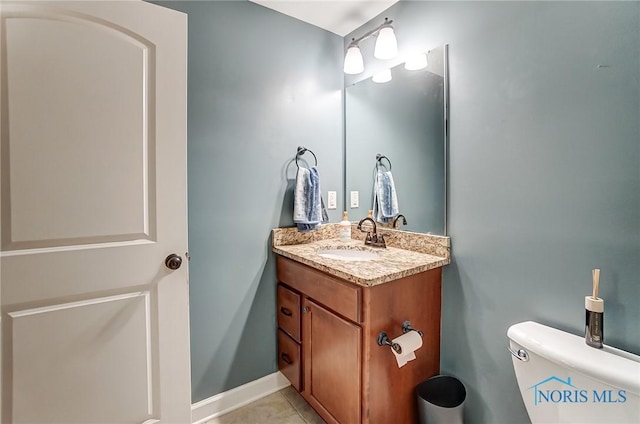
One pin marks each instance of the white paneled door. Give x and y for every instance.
(93, 202)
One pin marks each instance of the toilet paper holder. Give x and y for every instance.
(406, 327)
(384, 340)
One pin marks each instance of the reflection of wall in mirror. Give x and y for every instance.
(403, 120)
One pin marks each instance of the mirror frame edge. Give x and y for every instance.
(447, 121)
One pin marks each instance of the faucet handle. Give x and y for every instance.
(376, 240)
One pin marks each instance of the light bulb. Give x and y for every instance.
(386, 44)
(416, 62)
(353, 63)
(382, 76)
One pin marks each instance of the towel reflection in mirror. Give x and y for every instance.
(385, 199)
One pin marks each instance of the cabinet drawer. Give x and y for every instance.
(339, 296)
(289, 312)
(289, 359)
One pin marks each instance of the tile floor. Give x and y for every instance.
(283, 407)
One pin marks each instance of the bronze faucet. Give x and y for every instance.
(404, 220)
(375, 239)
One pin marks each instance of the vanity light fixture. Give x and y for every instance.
(417, 62)
(386, 44)
(382, 76)
(353, 63)
(386, 47)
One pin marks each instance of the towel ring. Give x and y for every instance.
(379, 158)
(301, 151)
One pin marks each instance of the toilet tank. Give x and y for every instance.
(562, 380)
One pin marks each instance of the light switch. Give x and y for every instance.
(332, 199)
(355, 200)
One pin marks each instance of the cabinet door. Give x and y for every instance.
(332, 358)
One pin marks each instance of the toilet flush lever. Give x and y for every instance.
(520, 354)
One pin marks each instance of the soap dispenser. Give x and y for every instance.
(345, 227)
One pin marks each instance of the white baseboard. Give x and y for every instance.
(225, 402)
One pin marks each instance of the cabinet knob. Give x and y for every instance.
(305, 309)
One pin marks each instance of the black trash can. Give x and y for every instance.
(440, 400)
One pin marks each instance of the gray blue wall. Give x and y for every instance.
(544, 177)
(260, 84)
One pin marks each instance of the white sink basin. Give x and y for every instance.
(347, 254)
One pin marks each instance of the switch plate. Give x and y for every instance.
(355, 199)
(332, 200)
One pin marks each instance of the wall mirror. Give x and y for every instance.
(404, 119)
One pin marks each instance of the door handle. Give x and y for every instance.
(286, 311)
(173, 261)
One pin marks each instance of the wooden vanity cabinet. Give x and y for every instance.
(340, 369)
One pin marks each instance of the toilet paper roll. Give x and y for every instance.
(409, 342)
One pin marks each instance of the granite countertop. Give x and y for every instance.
(391, 264)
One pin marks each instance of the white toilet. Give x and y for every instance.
(562, 380)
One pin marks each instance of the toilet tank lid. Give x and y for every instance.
(609, 365)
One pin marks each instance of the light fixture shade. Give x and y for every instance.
(416, 62)
(382, 76)
(353, 63)
(386, 44)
